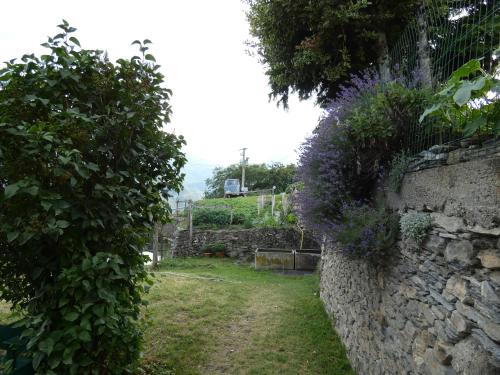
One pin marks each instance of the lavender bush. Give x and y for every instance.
(365, 231)
(339, 164)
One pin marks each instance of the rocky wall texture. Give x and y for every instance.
(240, 243)
(433, 309)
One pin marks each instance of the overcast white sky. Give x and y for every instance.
(219, 101)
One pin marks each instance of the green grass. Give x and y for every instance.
(246, 206)
(210, 316)
(241, 205)
(213, 317)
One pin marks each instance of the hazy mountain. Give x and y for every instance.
(194, 183)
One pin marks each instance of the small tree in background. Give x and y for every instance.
(82, 161)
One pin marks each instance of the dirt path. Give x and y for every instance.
(260, 317)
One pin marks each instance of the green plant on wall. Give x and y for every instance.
(468, 102)
(414, 226)
(399, 166)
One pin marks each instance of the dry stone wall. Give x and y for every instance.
(240, 243)
(433, 309)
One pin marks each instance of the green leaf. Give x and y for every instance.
(150, 57)
(32, 190)
(71, 317)
(37, 359)
(11, 190)
(467, 69)
(428, 111)
(11, 236)
(85, 336)
(54, 361)
(46, 346)
(472, 126)
(93, 167)
(462, 95)
(478, 84)
(62, 224)
(74, 40)
(68, 356)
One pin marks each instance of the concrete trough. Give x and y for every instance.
(274, 259)
(283, 259)
(307, 259)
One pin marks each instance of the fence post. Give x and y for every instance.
(273, 201)
(423, 50)
(177, 208)
(383, 58)
(190, 217)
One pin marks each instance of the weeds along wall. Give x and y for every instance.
(433, 308)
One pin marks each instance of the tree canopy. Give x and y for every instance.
(313, 46)
(83, 159)
(257, 176)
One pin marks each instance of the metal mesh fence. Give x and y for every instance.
(443, 36)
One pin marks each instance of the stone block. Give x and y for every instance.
(435, 244)
(420, 345)
(488, 294)
(495, 277)
(434, 367)
(470, 357)
(460, 325)
(448, 235)
(490, 258)
(443, 352)
(407, 291)
(491, 347)
(481, 230)
(457, 287)
(450, 224)
(460, 252)
(492, 329)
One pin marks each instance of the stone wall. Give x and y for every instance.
(240, 243)
(433, 309)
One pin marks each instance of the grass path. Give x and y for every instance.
(213, 317)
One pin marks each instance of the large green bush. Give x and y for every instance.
(82, 161)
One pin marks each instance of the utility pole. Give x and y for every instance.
(244, 161)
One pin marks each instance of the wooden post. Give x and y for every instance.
(190, 216)
(177, 208)
(273, 201)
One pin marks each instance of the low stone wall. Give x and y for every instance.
(433, 309)
(240, 243)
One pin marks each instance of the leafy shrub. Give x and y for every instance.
(216, 217)
(399, 166)
(465, 104)
(414, 226)
(365, 231)
(83, 159)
